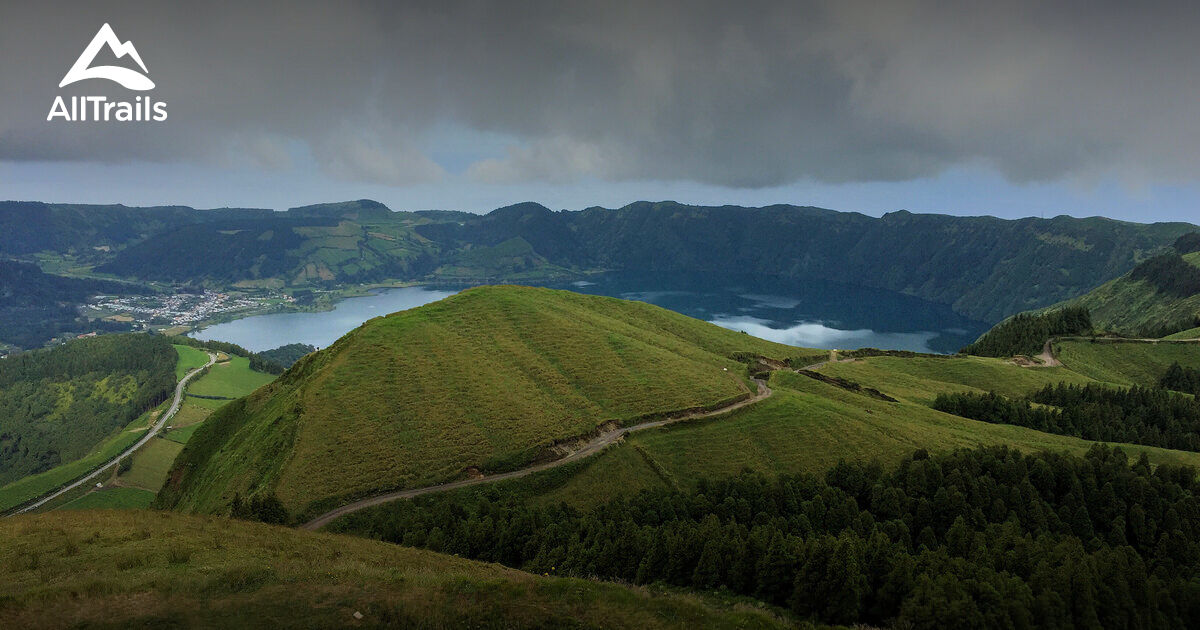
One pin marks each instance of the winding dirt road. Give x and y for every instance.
(162, 421)
(594, 446)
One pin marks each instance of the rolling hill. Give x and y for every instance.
(139, 569)
(1159, 297)
(491, 379)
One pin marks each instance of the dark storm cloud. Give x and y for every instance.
(741, 94)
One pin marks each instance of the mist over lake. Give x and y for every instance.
(807, 313)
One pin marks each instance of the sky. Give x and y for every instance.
(1016, 108)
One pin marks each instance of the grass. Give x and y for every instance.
(493, 374)
(230, 379)
(118, 568)
(189, 414)
(116, 498)
(806, 426)
(181, 434)
(189, 359)
(34, 486)
(1126, 363)
(1184, 335)
(151, 464)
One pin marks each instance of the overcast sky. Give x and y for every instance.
(1009, 108)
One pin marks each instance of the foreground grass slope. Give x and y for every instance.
(488, 378)
(123, 569)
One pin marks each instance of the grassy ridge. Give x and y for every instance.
(1126, 363)
(808, 426)
(490, 375)
(117, 498)
(88, 569)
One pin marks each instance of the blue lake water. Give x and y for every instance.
(798, 312)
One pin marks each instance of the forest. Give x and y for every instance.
(1182, 379)
(57, 404)
(36, 306)
(1138, 415)
(1026, 333)
(984, 538)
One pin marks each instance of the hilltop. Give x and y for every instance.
(109, 568)
(488, 380)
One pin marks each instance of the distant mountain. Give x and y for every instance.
(985, 268)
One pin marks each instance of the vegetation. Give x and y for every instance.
(225, 381)
(87, 567)
(1182, 379)
(1125, 362)
(286, 356)
(1159, 297)
(1139, 415)
(489, 378)
(115, 498)
(982, 266)
(36, 307)
(1027, 333)
(151, 463)
(57, 404)
(258, 362)
(1169, 274)
(986, 538)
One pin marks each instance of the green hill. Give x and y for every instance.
(139, 569)
(1159, 297)
(489, 379)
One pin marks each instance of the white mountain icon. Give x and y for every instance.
(129, 78)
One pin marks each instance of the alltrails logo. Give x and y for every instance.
(99, 108)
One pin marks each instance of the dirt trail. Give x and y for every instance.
(1047, 356)
(595, 445)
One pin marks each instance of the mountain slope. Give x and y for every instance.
(985, 268)
(490, 378)
(1159, 297)
(139, 569)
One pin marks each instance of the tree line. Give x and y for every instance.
(1026, 333)
(1181, 379)
(984, 538)
(1137, 415)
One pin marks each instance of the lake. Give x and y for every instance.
(806, 313)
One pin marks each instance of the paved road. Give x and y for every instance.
(162, 421)
(596, 445)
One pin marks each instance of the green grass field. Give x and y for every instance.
(189, 414)
(493, 374)
(34, 486)
(189, 359)
(806, 426)
(1187, 334)
(231, 379)
(151, 464)
(181, 434)
(117, 498)
(1126, 363)
(117, 568)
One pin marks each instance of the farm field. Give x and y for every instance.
(230, 379)
(189, 359)
(151, 464)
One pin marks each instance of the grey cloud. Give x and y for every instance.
(742, 94)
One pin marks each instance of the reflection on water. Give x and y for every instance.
(798, 312)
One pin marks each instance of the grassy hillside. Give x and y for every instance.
(489, 378)
(808, 426)
(123, 569)
(1126, 363)
(1159, 297)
